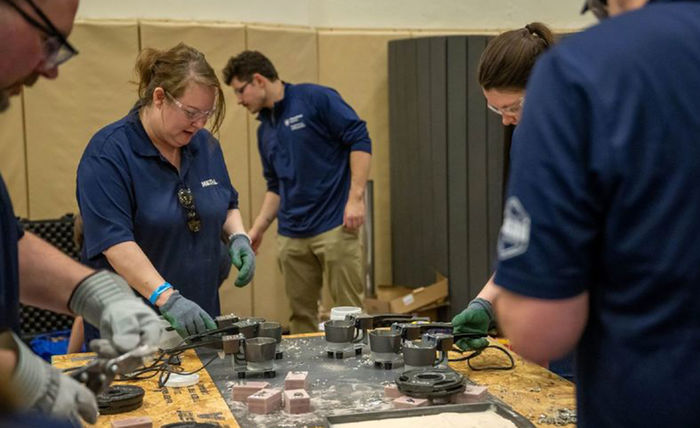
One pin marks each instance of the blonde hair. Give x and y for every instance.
(173, 70)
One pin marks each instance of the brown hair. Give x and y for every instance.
(173, 70)
(508, 59)
(247, 63)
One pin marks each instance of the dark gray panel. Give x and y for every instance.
(457, 172)
(476, 167)
(423, 172)
(397, 116)
(438, 139)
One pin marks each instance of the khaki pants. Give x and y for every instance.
(334, 256)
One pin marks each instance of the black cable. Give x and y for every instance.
(478, 352)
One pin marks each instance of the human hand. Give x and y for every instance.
(186, 317)
(354, 214)
(476, 319)
(256, 237)
(243, 257)
(105, 300)
(44, 388)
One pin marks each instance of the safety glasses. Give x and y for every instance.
(186, 199)
(57, 50)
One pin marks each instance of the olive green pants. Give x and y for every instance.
(333, 257)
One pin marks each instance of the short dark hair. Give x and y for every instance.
(508, 59)
(247, 63)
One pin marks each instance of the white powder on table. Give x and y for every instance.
(486, 419)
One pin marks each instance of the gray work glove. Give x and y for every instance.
(105, 300)
(243, 257)
(186, 316)
(476, 319)
(40, 387)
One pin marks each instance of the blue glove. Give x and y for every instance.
(38, 386)
(105, 300)
(186, 316)
(243, 257)
(476, 319)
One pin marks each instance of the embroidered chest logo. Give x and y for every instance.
(210, 182)
(515, 232)
(295, 123)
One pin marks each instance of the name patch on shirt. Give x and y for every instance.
(210, 182)
(295, 122)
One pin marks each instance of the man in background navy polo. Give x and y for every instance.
(600, 245)
(316, 155)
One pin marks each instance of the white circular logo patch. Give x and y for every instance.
(515, 232)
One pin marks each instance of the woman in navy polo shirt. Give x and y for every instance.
(504, 69)
(156, 198)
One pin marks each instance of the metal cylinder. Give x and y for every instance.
(419, 354)
(271, 329)
(339, 331)
(260, 349)
(369, 240)
(385, 341)
(248, 329)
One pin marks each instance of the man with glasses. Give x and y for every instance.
(315, 152)
(33, 35)
(599, 248)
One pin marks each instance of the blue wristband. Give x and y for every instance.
(158, 291)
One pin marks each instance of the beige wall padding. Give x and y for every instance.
(355, 64)
(92, 90)
(218, 42)
(294, 53)
(12, 161)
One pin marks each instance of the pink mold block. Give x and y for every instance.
(297, 401)
(265, 401)
(472, 394)
(296, 380)
(136, 422)
(405, 402)
(392, 391)
(243, 391)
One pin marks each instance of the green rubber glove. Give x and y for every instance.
(477, 318)
(243, 257)
(186, 317)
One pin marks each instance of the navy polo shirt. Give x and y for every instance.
(305, 143)
(127, 191)
(10, 233)
(604, 197)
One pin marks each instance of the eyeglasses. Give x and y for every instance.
(192, 114)
(186, 199)
(511, 109)
(239, 91)
(57, 50)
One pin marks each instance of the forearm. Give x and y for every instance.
(359, 173)
(47, 276)
(539, 329)
(233, 223)
(490, 291)
(268, 211)
(129, 261)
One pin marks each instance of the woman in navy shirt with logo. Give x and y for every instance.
(155, 194)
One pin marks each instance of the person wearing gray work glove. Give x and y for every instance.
(186, 317)
(105, 300)
(243, 257)
(40, 387)
(476, 319)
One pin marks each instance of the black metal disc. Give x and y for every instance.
(120, 399)
(430, 382)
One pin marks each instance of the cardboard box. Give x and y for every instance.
(402, 300)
